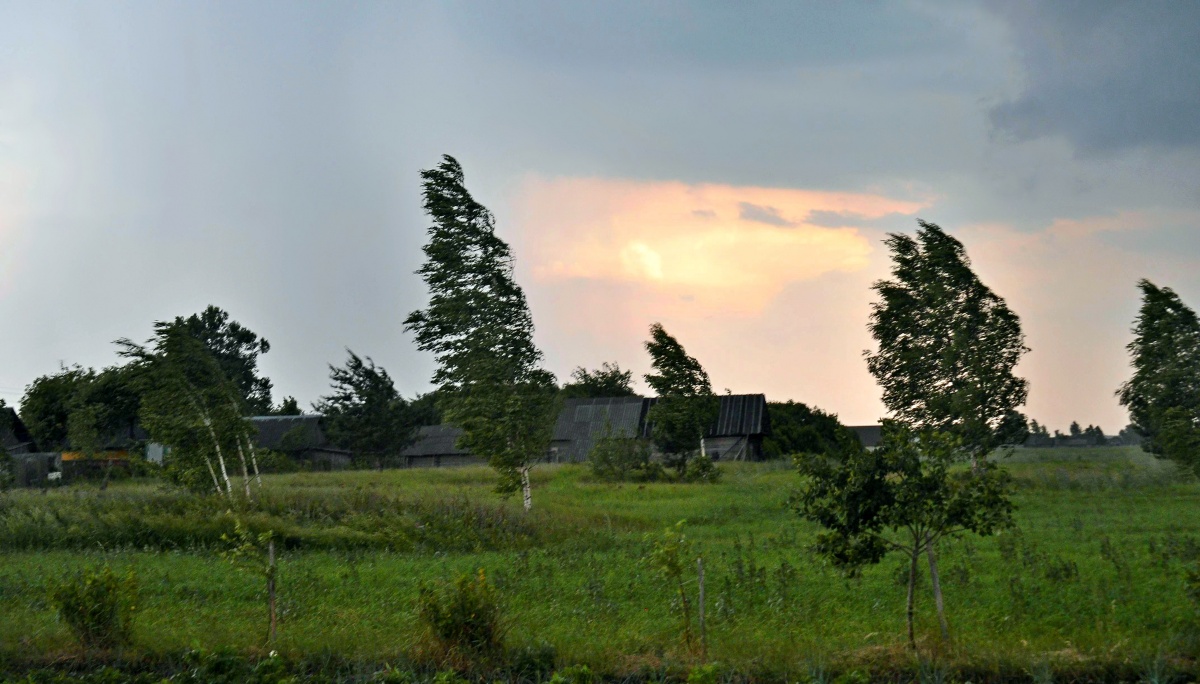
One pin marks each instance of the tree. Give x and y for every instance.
(47, 404)
(903, 496)
(1165, 354)
(8, 473)
(798, 429)
(947, 344)
(686, 406)
(189, 405)
(606, 381)
(478, 326)
(236, 350)
(288, 407)
(365, 413)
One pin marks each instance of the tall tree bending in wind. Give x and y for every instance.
(947, 349)
(1163, 396)
(478, 326)
(947, 344)
(686, 405)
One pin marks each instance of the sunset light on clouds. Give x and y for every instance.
(730, 172)
(725, 248)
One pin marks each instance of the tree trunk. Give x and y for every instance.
(937, 587)
(526, 492)
(245, 468)
(912, 583)
(220, 458)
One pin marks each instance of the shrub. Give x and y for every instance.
(98, 606)
(576, 674)
(703, 674)
(463, 615)
(621, 459)
(701, 468)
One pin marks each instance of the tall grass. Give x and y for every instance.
(1094, 574)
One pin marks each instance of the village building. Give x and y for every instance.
(302, 439)
(737, 435)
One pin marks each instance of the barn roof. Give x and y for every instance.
(582, 422)
(738, 415)
(14, 436)
(869, 435)
(301, 432)
(436, 440)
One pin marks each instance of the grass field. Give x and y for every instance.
(1093, 575)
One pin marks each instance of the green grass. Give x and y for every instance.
(1094, 572)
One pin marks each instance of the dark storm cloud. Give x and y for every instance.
(1105, 75)
(845, 219)
(760, 214)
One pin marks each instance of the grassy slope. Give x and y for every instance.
(1053, 589)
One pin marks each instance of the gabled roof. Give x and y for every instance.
(290, 433)
(14, 436)
(436, 440)
(582, 422)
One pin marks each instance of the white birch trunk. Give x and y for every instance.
(254, 461)
(245, 468)
(526, 491)
(937, 587)
(220, 457)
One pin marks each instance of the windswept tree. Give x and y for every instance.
(236, 349)
(686, 407)
(948, 345)
(904, 496)
(606, 381)
(478, 326)
(190, 406)
(1163, 396)
(365, 413)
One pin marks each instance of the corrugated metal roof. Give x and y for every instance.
(582, 422)
(737, 415)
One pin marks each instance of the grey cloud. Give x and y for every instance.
(846, 219)
(704, 213)
(1105, 75)
(761, 214)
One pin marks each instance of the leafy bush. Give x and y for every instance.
(576, 674)
(623, 459)
(701, 468)
(463, 615)
(98, 605)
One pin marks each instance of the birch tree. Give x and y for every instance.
(479, 328)
(686, 406)
(190, 406)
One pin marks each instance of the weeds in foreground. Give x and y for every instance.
(98, 606)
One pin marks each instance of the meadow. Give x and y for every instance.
(1090, 584)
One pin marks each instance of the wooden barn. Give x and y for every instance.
(300, 438)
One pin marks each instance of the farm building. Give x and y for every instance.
(435, 446)
(14, 436)
(300, 438)
(741, 424)
(869, 435)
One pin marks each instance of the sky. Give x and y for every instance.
(727, 169)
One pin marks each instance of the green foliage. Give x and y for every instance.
(703, 674)
(670, 557)
(80, 407)
(575, 674)
(617, 458)
(236, 350)
(479, 328)
(464, 614)
(700, 469)
(798, 429)
(365, 413)
(276, 462)
(686, 407)
(606, 381)
(98, 606)
(1178, 437)
(288, 407)
(947, 344)
(190, 406)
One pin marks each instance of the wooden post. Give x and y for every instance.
(271, 591)
(703, 633)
